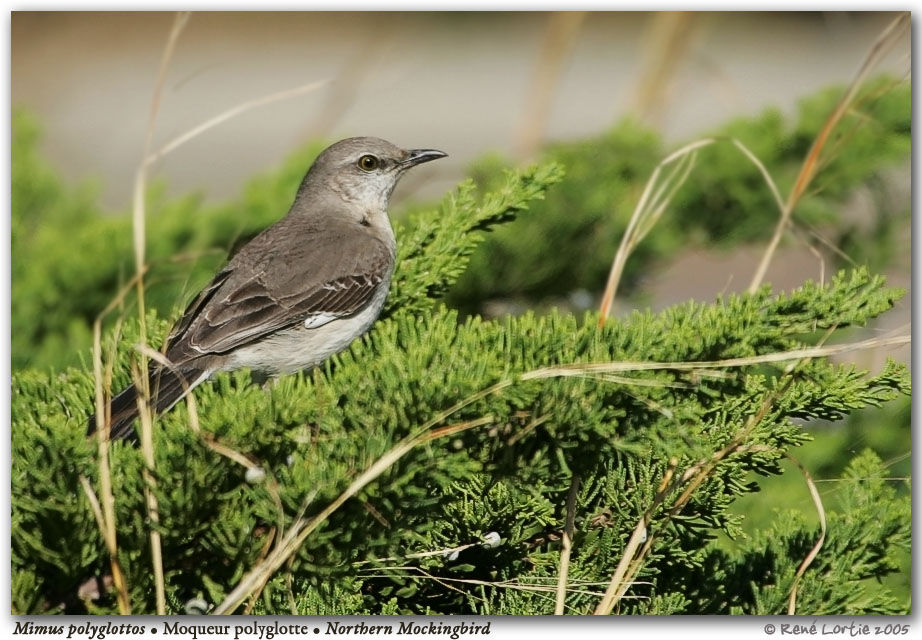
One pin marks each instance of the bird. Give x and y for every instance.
(297, 293)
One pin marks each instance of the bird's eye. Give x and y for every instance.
(368, 163)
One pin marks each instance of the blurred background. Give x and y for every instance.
(467, 83)
(608, 95)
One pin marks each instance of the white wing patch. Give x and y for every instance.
(318, 320)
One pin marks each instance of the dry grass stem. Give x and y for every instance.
(594, 369)
(262, 555)
(562, 29)
(821, 512)
(648, 210)
(421, 554)
(499, 584)
(531, 426)
(652, 203)
(656, 197)
(231, 113)
(143, 385)
(776, 194)
(108, 534)
(666, 46)
(207, 438)
(811, 163)
(566, 546)
(349, 77)
(619, 582)
(140, 371)
(102, 381)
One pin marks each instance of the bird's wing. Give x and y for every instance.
(279, 281)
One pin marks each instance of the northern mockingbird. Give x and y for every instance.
(297, 293)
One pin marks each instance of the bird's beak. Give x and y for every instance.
(419, 156)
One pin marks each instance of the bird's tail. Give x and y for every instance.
(167, 386)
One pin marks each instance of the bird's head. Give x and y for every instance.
(361, 173)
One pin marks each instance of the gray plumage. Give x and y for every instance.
(301, 290)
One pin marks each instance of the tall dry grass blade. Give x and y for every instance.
(649, 208)
(562, 29)
(224, 116)
(118, 577)
(141, 380)
(566, 545)
(654, 200)
(102, 382)
(821, 512)
(665, 46)
(808, 169)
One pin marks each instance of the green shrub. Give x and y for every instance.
(517, 439)
(504, 414)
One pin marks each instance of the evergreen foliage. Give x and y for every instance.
(470, 519)
(314, 433)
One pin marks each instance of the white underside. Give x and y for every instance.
(307, 344)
